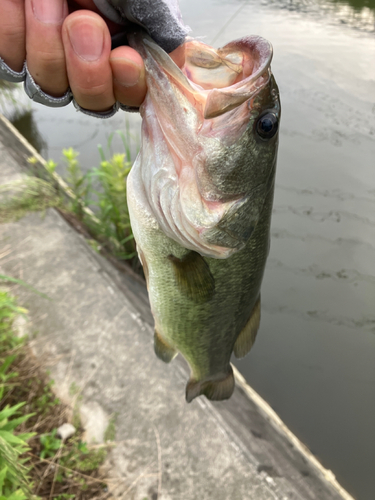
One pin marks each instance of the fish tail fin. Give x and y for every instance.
(162, 349)
(247, 336)
(215, 390)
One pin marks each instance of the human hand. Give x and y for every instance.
(68, 44)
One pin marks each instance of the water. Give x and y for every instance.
(314, 359)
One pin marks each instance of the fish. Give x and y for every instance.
(200, 197)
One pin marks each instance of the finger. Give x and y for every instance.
(90, 5)
(12, 33)
(128, 70)
(87, 45)
(129, 81)
(44, 47)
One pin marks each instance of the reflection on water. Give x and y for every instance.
(323, 5)
(16, 107)
(357, 4)
(359, 14)
(313, 360)
(25, 123)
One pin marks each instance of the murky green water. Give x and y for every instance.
(314, 359)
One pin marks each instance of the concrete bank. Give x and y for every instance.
(96, 332)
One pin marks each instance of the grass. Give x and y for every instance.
(34, 462)
(103, 189)
(25, 195)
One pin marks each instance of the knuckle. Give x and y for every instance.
(12, 37)
(93, 91)
(94, 99)
(50, 61)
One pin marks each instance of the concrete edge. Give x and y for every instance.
(263, 406)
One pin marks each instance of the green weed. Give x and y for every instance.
(46, 400)
(74, 389)
(110, 432)
(27, 402)
(50, 444)
(78, 182)
(25, 195)
(104, 190)
(81, 457)
(14, 474)
(112, 207)
(10, 302)
(8, 312)
(51, 166)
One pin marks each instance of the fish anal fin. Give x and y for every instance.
(193, 276)
(246, 338)
(215, 390)
(162, 350)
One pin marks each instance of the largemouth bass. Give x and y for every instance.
(200, 199)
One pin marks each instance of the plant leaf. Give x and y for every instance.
(26, 285)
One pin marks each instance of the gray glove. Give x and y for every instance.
(160, 18)
(6, 73)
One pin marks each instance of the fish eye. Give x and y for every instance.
(267, 125)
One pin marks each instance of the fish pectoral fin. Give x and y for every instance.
(247, 336)
(215, 390)
(162, 350)
(193, 276)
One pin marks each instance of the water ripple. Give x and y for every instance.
(365, 322)
(347, 275)
(333, 215)
(332, 12)
(335, 193)
(307, 238)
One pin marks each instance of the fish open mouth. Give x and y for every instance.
(230, 75)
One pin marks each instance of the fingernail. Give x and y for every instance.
(49, 11)
(125, 71)
(87, 40)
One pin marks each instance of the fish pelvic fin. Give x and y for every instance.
(193, 276)
(247, 336)
(142, 258)
(215, 390)
(162, 349)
